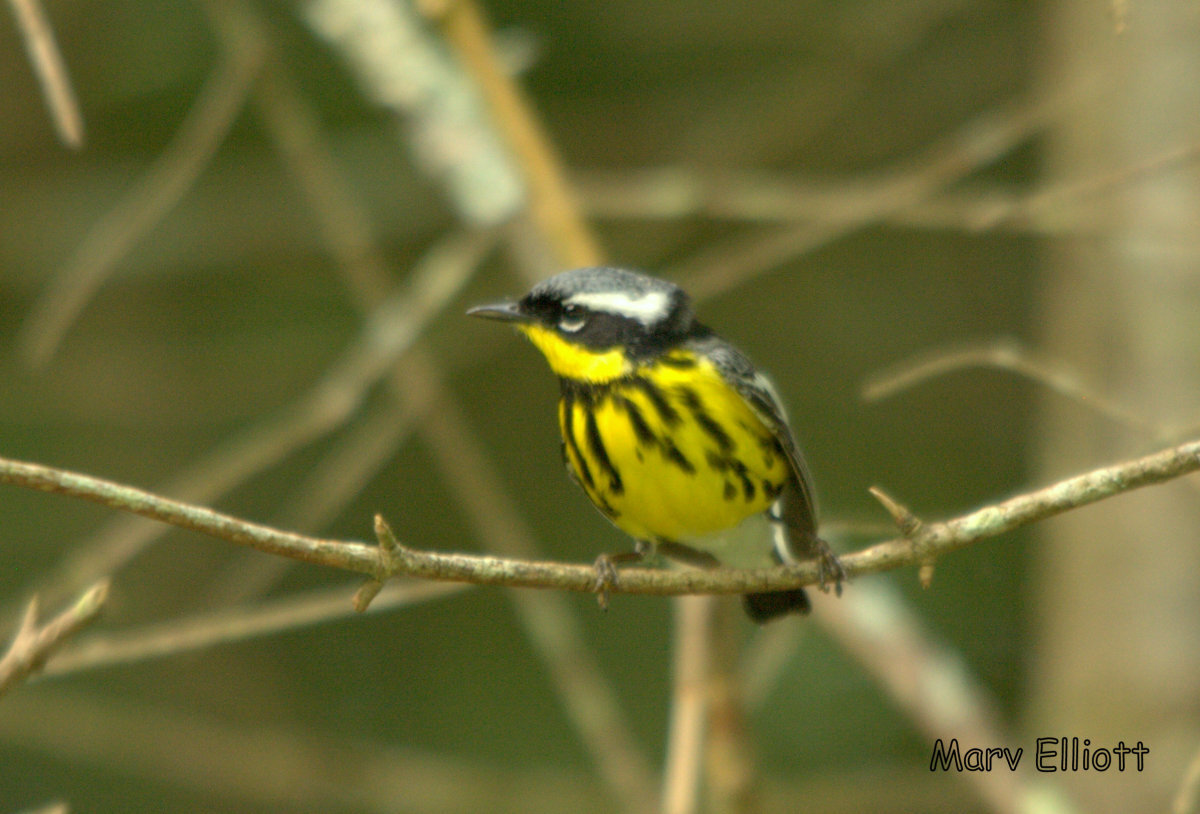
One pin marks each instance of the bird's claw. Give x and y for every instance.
(606, 579)
(830, 570)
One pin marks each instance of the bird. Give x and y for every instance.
(671, 431)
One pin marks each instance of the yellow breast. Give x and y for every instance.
(670, 451)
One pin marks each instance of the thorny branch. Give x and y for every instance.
(925, 541)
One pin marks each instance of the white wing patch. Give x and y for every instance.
(647, 308)
(763, 382)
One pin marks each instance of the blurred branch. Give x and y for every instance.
(1009, 354)
(49, 808)
(766, 197)
(356, 455)
(1032, 208)
(1187, 799)
(446, 119)
(550, 623)
(556, 230)
(388, 332)
(51, 71)
(692, 667)
(404, 68)
(171, 175)
(343, 223)
(348, 235)
(733, 774)
(391, 558)
(413, 388)
(334, 772)
(766, 659)
(551, 201)
(243, 762)
(967, 150)
(33, 645)
(232, 625)
(927, 680)
(761, 197)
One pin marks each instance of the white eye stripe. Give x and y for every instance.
(647, 309)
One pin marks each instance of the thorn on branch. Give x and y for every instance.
(925, 573)
(389, 563)
(387, 538)
(912, 529)
(33, 645)
(909, 524)
(366, 593)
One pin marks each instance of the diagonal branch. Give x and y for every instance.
(926, 542)
(51, 71)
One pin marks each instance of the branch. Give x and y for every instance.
(926, 541)
(551, 202)
(156, 192)
(1003, 353)
(980, 143)
(345, 555)
(33, 645)
(235, 624)
(51, 71)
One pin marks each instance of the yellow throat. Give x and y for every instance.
(573, 362)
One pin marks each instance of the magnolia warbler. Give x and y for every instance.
(669, 429)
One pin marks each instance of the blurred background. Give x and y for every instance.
(962, 236)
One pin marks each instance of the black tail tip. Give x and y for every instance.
(764, 607)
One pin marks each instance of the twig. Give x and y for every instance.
(345, 555)
(981, 142)
(403, 66)
(689, 704)
(771, 197)
(33, 645)
(389, 331)
(911, 528)
(733, 776)
(1005, 354)
(907, 523)
(155, 193)
(551, 203)
(932, 539)
(230, 625)
(51, 71)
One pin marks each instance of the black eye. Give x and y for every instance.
(572, 319)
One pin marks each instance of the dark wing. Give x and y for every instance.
(795, 511)
(799, 503)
